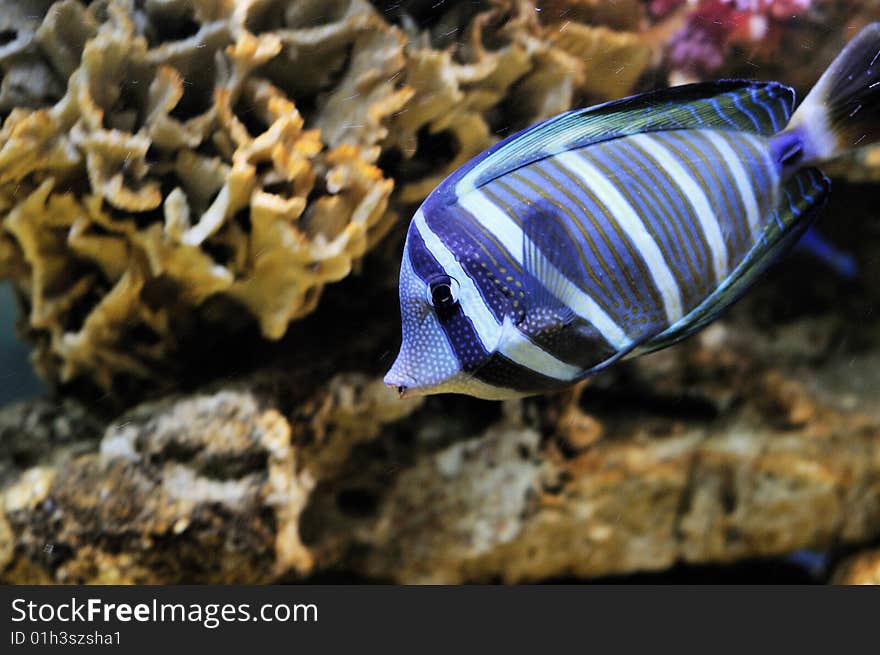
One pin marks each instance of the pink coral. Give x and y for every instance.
(658, 9)
(716, 26)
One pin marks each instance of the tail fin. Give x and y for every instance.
(842, 111)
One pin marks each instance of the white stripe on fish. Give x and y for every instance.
(630, 221)
(694, 195)
(741, 177)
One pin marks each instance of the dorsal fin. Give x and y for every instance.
(757, 107)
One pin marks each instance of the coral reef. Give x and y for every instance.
(169, 169)
(715, 29)
(764, 39)
(173, 169)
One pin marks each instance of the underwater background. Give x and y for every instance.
(202, 210)
(18, 378)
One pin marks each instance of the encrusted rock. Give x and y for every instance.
(171, 481)
(43, 432)
(860, 569)
(260, 481)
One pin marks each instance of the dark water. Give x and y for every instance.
(17, 379)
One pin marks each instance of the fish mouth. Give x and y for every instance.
(407, 387)
(404, 385)
(400, 378)
(402, 390)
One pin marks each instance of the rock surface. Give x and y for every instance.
(861, 569)
(757, 438)
(228, 486)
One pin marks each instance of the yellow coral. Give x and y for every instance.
(176, 166)
(538, 70)
(110, 188)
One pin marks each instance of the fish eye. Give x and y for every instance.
(443, 292)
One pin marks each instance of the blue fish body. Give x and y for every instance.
(618, 229)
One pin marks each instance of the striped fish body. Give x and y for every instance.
(603, 232)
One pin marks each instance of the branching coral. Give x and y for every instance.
(714, 27)
(515, 64)
(157, 155)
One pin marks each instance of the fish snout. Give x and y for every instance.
(397, 379)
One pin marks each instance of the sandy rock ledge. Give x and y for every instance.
(860, 569)
(249, 484)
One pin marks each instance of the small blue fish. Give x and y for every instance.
(618, 229)
(839, 261)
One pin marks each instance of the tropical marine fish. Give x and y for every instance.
(618, 229)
